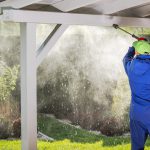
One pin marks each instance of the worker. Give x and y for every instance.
(137, 67)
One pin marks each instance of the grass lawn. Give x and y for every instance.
(70, 138)
(67, 145)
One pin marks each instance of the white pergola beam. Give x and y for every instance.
(142, 11)
(18, 3)
(28, 87)
(114, 6)
(48, 44)
(72, 19)
(68, 5)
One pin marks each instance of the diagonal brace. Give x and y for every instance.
(50, 42)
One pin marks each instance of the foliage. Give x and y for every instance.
(8, 79)
(138, 30)
(68, 145)
(54, 97)
(17, 128)
(4, 128)
(68, 137)
(59, 131)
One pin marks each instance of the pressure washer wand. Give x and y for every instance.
(117, 27)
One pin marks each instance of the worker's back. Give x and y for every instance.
(139, 79)
(137, 66)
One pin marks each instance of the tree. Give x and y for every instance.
(8, 77)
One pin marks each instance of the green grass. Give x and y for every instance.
(66, 145)
(70, 138)
(61, 131)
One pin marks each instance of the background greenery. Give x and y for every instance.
(69, 137)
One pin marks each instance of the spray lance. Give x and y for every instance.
(134, 36)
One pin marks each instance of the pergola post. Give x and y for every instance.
(28, 87)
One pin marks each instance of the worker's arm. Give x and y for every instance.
(128, 58)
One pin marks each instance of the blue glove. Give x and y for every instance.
(128, 58)
(131, 52)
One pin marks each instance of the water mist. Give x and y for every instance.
(87, 61)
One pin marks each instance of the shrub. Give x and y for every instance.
(8, 77)
(17, 128)
(5, 129)
(113, 126)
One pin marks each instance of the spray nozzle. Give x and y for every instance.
(115, 26)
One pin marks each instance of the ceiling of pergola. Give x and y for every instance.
(128, 8)
(99, 7)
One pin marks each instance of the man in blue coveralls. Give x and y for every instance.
(137, 67)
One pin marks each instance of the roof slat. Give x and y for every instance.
(17, 3)
(114, 6)
(69, 5)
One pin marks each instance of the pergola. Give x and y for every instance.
(134, 13)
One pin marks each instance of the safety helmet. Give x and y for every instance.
(142, 47)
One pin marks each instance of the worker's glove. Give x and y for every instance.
(142, 39)
(131, 51)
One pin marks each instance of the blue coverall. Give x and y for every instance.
(138, 72)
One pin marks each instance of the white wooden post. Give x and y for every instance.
(28, 87)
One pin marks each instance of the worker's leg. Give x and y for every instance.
(139, 135)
